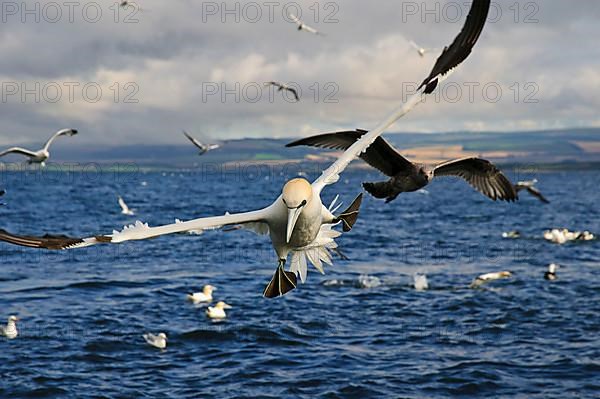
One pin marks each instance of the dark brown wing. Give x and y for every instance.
(45, 242)
(480, 174)
(536, 193)
(462, 45)
(380, 155)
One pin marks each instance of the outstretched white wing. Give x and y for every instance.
(18, 150)
(136, 232)
(296, 19)
(332, 174)
(63, 132)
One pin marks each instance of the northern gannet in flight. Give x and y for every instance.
(420, 282)
(204, 296)
(40, 156)
(217, 311)
(531, 189)
(283, 86)
(10, 330)
(124, 208)
(297, 221)
(304, 27)
(551, 273)
(158, 341)
(486, 278)
(406, 176)
(204, 148)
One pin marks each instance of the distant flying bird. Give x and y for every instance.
(407, 176)
(40, 156)
(204, 296)
(531, 189)
(551, 273)
(158, 341)
(420, 282)
(297, 221)
(204, 148)
(217, 311)
(124, 208)
(420, 50)
(283, 86)
(304, 27)
(10, 330)
(486, 278)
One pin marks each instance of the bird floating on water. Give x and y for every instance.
(204, 296)
(39, 156)
(531, 189)
(158, 341)
(562, 236)
(297, 221)
(511, 234)
(218, 311)
(204, 148)
(551, 273)
(283, 86)
(420, 282)
(10, 330)
(406, 176)
(124, 208)
(486, 278)
(305, 27)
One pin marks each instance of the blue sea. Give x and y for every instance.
(359, 331)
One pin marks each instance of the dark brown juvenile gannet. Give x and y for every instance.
(406, 176)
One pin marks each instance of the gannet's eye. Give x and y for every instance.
(303, 203)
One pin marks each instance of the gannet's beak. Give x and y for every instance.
(226, 306)
(293, 215)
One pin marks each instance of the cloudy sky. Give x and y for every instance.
(201, 65)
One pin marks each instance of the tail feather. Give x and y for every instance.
(350, 215)
(384, 189)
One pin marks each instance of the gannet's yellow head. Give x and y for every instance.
(13, 319)
(208, 289)
(297, 193)
(505, 274)
(222, 305)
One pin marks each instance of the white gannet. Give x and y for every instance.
(531, 189)
(551, 273)
(204, 296)
(486, 278)
(158, 341)
(10, 331)
(283, 86)
(39, 156)
(124, 208)
(420, 282)
(204, 148)
(217, 311)
(297, 221)
(304, 27)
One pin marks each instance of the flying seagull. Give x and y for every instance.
(406, 176)
(124, 208)
(40, 156)
(304, 27)
(531, 189)
(283, 86)
(204, 148)
(297, 221)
